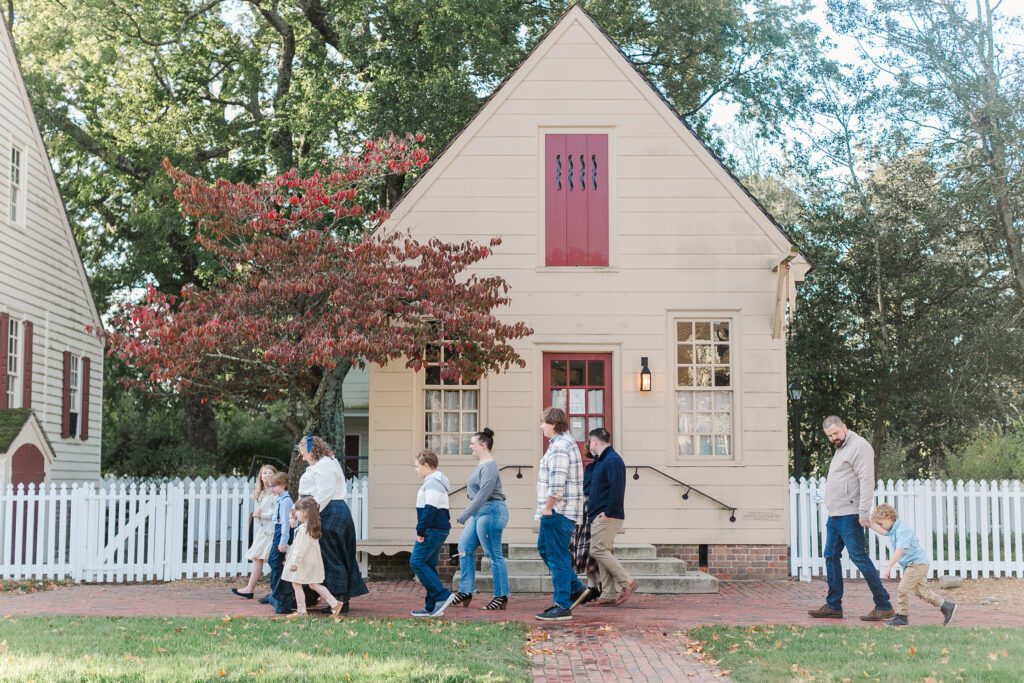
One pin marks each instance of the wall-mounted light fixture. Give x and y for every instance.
(645, 375)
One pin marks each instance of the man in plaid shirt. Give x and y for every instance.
(559, 509)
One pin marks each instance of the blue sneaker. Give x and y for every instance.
(421, 613)
(439, 610)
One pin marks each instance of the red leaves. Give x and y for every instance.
(307, 287)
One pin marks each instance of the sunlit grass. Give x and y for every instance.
(850, 653)
(312, 649)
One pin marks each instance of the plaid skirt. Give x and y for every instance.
(579, 544)
(338, 549)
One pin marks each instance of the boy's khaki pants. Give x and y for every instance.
(914, 580)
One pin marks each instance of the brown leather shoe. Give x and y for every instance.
(606, 601)
(825, 612)
(879, 615)
(626, 592)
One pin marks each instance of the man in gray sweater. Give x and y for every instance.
(849, 489)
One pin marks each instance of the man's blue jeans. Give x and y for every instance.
(484, 528)
(275, 560)
(424, 565)
(553, 547)
(846, 531)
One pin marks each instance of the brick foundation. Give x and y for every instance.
(734, 562)
(384, 567)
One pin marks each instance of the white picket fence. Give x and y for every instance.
(972, 530)
(119, 531)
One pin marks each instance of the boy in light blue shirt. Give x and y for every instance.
(907, 550)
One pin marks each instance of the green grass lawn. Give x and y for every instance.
(848, 653)
(311, 649)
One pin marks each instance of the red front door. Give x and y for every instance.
(580, 384)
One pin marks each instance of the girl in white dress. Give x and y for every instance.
(263, 534)
(304, 565)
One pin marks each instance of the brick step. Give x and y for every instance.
(626, 551)
(664, 566)
(690, 582)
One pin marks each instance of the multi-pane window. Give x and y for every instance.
(13, 362)
(451, 408)
(16, 185)
(578, 384)
(74, 393)
(704, 388)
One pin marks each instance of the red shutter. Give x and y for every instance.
(597, 200)
(5, 322)
(576, 200)
(26, 387)
(83, 418)
(556, 189)
(65, 413)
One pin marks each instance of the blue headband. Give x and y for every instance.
(309, 442)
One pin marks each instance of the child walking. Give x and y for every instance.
(304, 565)
(908, 552)
(433, 523)
(282, 530)
(262, 519)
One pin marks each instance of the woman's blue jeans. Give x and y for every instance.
(846, 531)
(484, 529)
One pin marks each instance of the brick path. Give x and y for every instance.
(641, 641)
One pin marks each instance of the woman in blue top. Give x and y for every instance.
(485, 518)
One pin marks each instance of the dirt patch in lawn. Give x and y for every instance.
(1004, 594)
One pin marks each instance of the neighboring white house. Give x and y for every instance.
(51, 365)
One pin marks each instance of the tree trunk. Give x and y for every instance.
(200, 425)
(332, 410)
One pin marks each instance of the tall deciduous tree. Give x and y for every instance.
(305, 293)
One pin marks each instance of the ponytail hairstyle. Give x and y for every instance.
(260, 487)
(316, 447)
(486, 437)
(312, 510)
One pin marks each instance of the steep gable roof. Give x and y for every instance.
(576, 14)
(7, 45)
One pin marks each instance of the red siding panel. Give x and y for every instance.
(65, 412)
(556, 188)
(26, 387)
(83, 418)
(5, 321)
(597, 200)
(576, 223)
(576, 200)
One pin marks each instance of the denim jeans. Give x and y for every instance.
(424, 565)
(553, 547)
(846, 531)
(484, 528)
(275, 560)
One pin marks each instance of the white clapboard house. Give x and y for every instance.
(51, 365)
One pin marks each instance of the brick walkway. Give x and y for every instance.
(640, 641)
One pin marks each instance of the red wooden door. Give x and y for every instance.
(27, 467)
(580, 384)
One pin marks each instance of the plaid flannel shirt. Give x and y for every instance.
(560, 476)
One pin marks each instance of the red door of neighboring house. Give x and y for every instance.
(27, 467)
(580, 384)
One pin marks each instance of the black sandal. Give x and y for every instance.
(500, 602)
(462, 600)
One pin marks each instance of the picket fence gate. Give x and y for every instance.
(971, 529)
(119, 531)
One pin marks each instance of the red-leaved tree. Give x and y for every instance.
(307, 290)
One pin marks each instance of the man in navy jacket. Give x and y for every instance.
(605, 505)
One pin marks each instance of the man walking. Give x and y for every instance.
(559, 509)
(849, 488)
(607, 495)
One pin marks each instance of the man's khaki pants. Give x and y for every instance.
(602, 540)
(914, 581)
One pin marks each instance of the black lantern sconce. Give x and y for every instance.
(645, 375)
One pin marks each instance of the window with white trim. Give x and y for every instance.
(17, 193)
(451, 409)
(76, 394)
(13, 363)
(704, 389)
